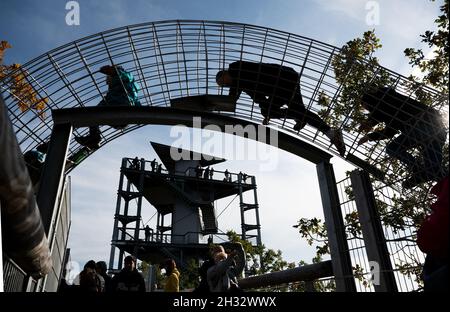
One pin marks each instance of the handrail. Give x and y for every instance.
(165, 237)
(229, 174)
(14, 276)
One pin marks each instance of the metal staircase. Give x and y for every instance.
(168, 190)
(209, 219)
(247, 208)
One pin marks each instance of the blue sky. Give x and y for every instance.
(285, 194)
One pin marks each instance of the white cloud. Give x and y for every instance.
(401, 18)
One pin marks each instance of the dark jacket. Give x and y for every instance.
(108, 282)
(223, 276)
(258, 80)
(128, 281)
(90, 282)
(203, 270)
(398, 112)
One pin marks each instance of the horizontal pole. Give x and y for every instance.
(308, 272)
(120, 115)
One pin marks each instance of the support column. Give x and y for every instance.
(258, 239)
(241, 200)
(374, 240)
(139, 202)
(53, 174)
(115, 235)
(28, 284)
(337, 239)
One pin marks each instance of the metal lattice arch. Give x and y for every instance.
(172, 59)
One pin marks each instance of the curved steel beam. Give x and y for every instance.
(308, 272)
(115, 116)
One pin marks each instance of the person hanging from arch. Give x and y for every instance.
(420, 126)
(276, 89)
(122, 91)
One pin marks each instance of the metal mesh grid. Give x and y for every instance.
(172, 59)
(406, 258)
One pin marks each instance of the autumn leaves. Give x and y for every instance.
(19, 83)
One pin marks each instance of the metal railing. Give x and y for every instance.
(193, 172)
(14, 277)
(178, 58)
(156, 237)
(406, 258)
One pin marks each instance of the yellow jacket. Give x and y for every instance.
(173, 282)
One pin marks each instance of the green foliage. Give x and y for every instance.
(356, 70)
(144, 267)
(358, 273)
(435, 68)
(411, 270)
(17, 79)
(352, 224)
(312, 229)
(189, 278)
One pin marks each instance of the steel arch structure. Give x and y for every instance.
(178, 58)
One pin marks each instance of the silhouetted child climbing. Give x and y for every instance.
(276, 89)
(420, 126)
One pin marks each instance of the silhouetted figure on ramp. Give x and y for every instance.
(420, 126)
(276, 90)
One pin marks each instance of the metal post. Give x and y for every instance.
(241, 200)
(258, 239)
(124, 226)
(337, 239)
(115, 235)
(139, 201)
(374, 240)
(158, 229)
(28, 284)
(53, 173)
